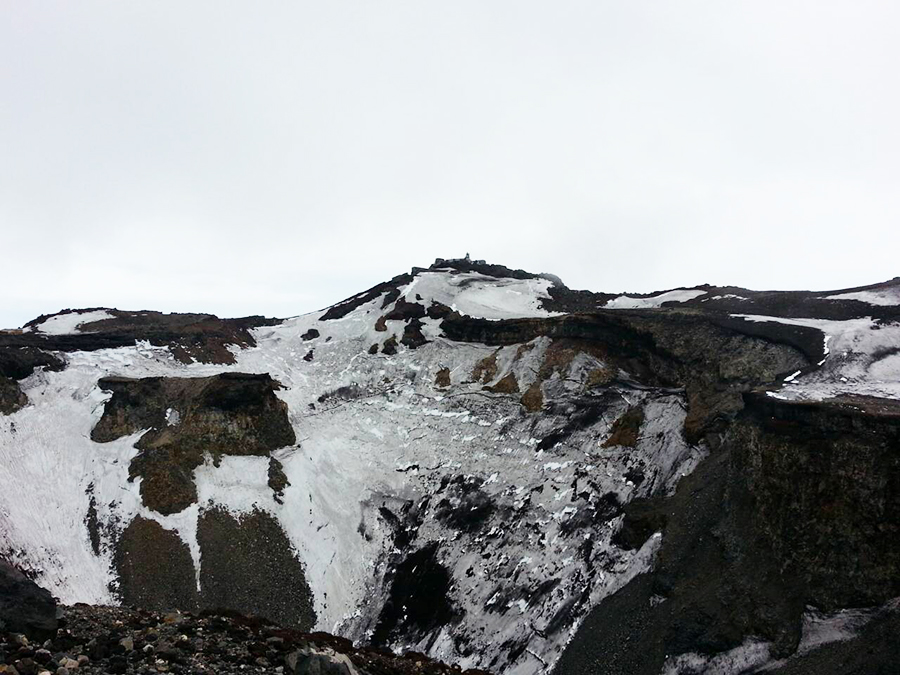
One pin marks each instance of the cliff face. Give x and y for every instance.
(795, 508)
(477, 463)
(821, 484)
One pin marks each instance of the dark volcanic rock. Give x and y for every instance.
(100, 640)
(714, 358)
(12, 398)
(278, 480)
(822, 482)
(418, 599)
(17, 363)
(228, 414)
(796, 507)
(412, 335)
(248, 565)
(25, 607)
(20, 362)
(404, 311)
(342, 309)
(154, 567)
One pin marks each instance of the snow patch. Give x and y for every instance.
(655, 301)
(882, 297)
(67, 324)
(480, 296)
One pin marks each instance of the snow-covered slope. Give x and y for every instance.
(378, 438)
(452, 497)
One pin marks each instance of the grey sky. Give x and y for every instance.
(275, 157)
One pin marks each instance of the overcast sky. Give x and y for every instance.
(275, 157)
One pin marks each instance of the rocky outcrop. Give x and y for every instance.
(17, 363)
(797, 507)
(715, 359)
(190, 337)
(12, 398)
(418, 602)
(25, 607)
(189, 419)
(821, 481)
(390, 290)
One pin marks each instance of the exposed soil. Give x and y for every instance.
(508, 384)
(442, 378)
(486, 369)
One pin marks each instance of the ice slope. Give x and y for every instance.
(374, 433)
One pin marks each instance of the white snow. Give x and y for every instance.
(728, 296)
(67, 324)
(628, 302)
(881, 296)
(745, 658)
(481, 296)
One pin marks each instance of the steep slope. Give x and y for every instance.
(466, 461)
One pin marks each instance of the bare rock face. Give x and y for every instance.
(17, 364)
(25, 607)
(12, 398)
(189, 418)
(190, 337)
(822, 480)
(796, 507)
